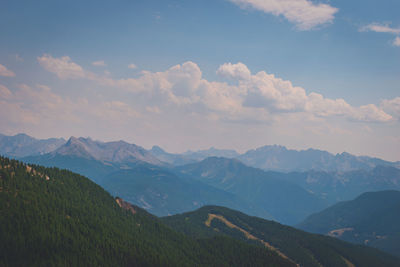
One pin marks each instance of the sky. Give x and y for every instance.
(183, 74)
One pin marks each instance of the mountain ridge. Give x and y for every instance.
(286, 201)
(268, 157)
(22, 145)
(116, 151)
(279, 158)
(372, 218)
(300, 247)
(53, 217)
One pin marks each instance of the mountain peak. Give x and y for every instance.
(74, 147)
(116, 151)
(157, 149)
(275, 148)
(72, 140)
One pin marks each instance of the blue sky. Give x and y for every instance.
(226, 73)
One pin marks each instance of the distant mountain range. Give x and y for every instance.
(279, 158)
(271, 157)
(191, 156)
(118, 152)
(371, 219)
(339, 186)
(164, 191)
(287, 202)
(52, 217)
(165, 183)
(22, 145)
(134, 174)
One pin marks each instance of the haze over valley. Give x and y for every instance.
(200, 133)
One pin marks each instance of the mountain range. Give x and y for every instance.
(279, 158)
(287, 202)
(53, 217)
(340, 186)
(164, 190)
(153, 187)
(146, 179)
(270, 157)
(22, 145)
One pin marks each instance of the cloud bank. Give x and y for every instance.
(243, 96)
(179, 108)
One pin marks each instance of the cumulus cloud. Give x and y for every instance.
(63, 67)
(263, 90)
(132, 66)
(247, 97)
(6, 72)
(234, 71)
(99, 63)
(392, 106)
(304, 13)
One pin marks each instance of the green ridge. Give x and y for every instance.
(67, 220)
(303, 248)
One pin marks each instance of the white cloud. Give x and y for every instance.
(377, 27)
(275, 95)
(6, 72)
(396, 41)
(392, 106)
(233, 71)
(63, 67)
(132, 66)
(383, 28)
(40, 106)
(99, 63)
(204, 112)
(258, 95)
(304, 13)
(370, 113)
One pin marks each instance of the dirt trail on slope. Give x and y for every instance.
(349, 264)
(247, 234)
(125, 205)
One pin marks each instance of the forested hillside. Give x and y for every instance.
(300, 247)
(52, 217)
(372, 219)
